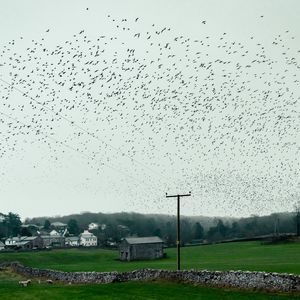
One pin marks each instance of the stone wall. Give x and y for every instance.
(235, 279)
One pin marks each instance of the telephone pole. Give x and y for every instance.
(178, 224)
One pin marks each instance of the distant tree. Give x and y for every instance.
(275, 219)
(27, 221)
(148, 227)
(198, 231)
(47, 224)
(222, 228)
(157, 232)
(3, 226)
(212, 233)
(25, 232)
(297, 218)
(251, 227)
(235, 230)
(186, 231)
(170, 233)
(218, 232)
(73, 227)
(14, 223)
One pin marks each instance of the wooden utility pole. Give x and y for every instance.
(178, 224)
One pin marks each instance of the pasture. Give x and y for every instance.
(231, 256)
(252, 256)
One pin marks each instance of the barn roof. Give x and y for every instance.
(144, 240)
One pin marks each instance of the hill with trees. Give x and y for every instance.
(118, 225)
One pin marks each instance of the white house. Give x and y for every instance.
(59, 227)
(13, 240)
(72, 241)
(87, 239)
(2, 246)
(54, 233)
(93, 226)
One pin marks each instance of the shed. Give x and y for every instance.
(140, 248)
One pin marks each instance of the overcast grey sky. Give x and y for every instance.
(149, 97)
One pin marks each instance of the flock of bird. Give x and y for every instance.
(153, 112)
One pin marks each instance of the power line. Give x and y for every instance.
(83, 129)
(77, 150)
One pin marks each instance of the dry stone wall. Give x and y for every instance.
(236, 279)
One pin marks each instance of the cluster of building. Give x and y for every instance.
(130, 248)
(56, 238)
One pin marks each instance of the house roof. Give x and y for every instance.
(17, 238)
(58, 224)
(72, 238)
(86, 234)
(30, 238)
(91, 224)
(144, 240)
(22, 243)
(54, 233)
(29, 225)
(1, 244)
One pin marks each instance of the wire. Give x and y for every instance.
(77, 150)
(83, 129)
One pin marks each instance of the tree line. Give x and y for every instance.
(114, 227)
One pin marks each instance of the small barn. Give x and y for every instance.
(140, 248)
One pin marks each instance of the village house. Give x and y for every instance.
(93, 226)
(138, 248)
(59, 227)
(2, 246)
(87, 239)
(53, 239)
(72, 241)
(24, 242)
(54, 233)
(11, 241)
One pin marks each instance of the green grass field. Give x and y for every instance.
(231, 256)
